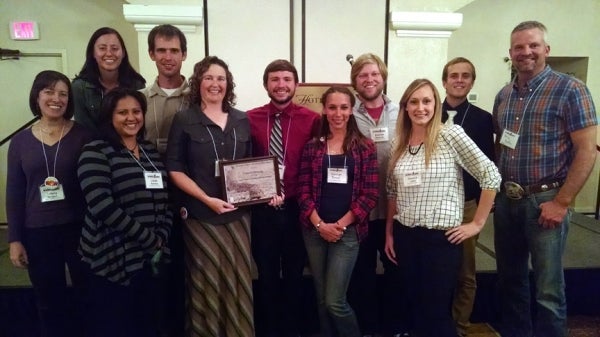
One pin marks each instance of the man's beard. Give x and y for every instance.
(371, 98)
(281, 101)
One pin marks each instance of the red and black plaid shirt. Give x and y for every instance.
(364, 189)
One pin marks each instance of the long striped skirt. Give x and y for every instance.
(219, 279)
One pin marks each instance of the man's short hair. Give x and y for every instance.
(454, 61)
(529, 25)
(279, 65)
(525, 25)
(364, 59)
(169, 32)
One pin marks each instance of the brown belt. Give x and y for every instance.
(516, 191)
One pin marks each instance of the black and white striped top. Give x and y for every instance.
(123, 219)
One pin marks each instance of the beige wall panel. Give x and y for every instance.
(335, 28)
(248, 35)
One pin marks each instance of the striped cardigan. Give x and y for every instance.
(123, 219)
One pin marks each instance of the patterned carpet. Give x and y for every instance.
(584, 326)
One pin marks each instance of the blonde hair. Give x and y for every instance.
(362, 61)
(404, 125)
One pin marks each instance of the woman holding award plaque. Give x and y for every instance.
(216, 233)
(44, 204)
(338, 187)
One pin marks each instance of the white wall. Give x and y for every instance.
(336, 28)
(417, 57)
(485, 33)
(248, 36)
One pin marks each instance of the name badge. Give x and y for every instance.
(509, 139)
(337, 175)
(281, 171)
(153, 180)
(161, 145)
(379, 134)
(411, 179)
(217, 171)
(51, 190)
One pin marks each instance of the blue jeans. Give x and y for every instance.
(517, 235)
(331, 265)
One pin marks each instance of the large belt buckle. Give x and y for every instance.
(514, 190)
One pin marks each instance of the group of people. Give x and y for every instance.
(129, 197)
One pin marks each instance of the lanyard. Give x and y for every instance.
(55, 155)
(140, 164)
(526, 104)
(465, 115)
(215, 145)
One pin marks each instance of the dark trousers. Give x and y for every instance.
(122, 311)
(48, 250)
(429, 265)
(280, 256)
(378, 309)
(171, 308)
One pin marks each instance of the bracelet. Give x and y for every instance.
(318, 225)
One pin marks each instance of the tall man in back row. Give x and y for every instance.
(545, 124)
(167, 47)
(458, 77)
(277, 243)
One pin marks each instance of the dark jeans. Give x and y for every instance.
(383, 311)
(280, 256)
(48, 250)
(429, 265)
(123, 311)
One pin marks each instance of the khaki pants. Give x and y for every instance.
(464, 295)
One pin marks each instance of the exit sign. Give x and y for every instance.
(24, 30)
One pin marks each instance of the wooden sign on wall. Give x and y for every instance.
(309, 94)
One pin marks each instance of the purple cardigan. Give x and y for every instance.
(364, 189)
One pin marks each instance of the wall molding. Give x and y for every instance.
(145, 17)
(425, 24)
